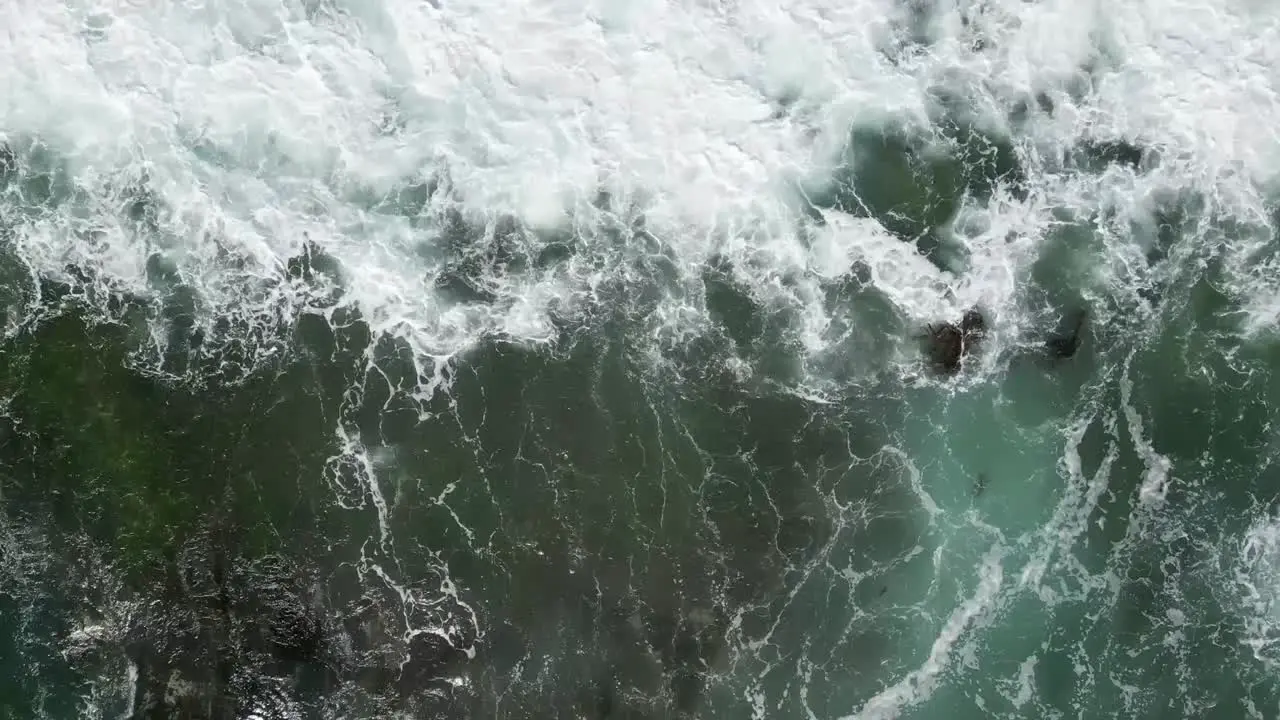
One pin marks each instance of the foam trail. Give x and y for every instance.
(919, 684)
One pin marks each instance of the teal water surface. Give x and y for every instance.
(240, 488)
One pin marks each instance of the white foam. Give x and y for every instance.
(1257, 577)
(1156, 478)
(534, 108)
(915, 285)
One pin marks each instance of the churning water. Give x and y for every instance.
(562, 359)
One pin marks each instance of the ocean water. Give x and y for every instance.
(563, 359)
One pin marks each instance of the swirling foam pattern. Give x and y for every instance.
(451, 358)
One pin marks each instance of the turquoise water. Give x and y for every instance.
(372, 360)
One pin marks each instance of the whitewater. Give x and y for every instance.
(562, 359)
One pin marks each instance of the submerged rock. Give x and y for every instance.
(949, 343)
(1064, 346)
(1097, 155)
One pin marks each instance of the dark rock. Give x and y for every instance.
(311, 262)
(973, 323)
(948, 346)
(464, 283)
(949, 343)
(1115, 152)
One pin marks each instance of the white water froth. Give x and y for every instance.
(259, 121)
(1257, 568)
